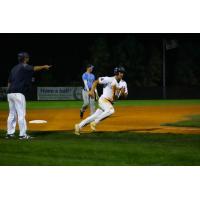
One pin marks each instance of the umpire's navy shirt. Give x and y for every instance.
(20, 78)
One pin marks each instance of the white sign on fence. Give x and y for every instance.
(59, 93)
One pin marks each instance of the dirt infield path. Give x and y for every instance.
(137, 118)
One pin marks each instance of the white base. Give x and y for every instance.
(37, 122)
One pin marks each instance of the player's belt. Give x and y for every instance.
(108, 100)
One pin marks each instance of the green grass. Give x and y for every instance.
(192, 121)
(101, 149)
(47, 104)
(110, 149)
(77, 104)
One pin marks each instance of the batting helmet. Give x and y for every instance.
(22, 56)
(119, 69)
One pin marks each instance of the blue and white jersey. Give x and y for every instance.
(88, 78)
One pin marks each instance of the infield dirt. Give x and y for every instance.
(129, 119)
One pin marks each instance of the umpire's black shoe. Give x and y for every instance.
(10, 136)
(81, 114)
(25, 137)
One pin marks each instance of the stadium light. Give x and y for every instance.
(164, 69)
(167, 45)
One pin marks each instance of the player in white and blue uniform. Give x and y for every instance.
(88, 79)
(113, 87)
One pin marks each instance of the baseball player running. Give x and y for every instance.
(88, 79)
(106, 109)
(18, 84)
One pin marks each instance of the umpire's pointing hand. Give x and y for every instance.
(47, 67)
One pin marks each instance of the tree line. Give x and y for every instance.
(143, 59)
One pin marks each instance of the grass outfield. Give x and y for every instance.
(77, 104)
(192, 121)
(100, 149)
(110, 149)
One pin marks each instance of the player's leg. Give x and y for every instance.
(90, 118)
(20, 104)
(92, 105)
(85, 103)
(12, 117)
(87, 121)
(107, 108)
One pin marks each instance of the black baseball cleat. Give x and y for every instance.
(25, 137)
(81, 114)
(10, 136)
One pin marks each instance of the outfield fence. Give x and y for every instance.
(74, 93)
(59, 93)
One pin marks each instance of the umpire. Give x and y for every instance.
(19, 82)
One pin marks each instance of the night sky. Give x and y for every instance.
(65, 51)
(68, 53)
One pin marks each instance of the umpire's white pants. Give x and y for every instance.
(17, 110)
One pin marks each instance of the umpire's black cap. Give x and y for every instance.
(22, 56)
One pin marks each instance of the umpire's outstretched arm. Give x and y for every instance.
(39, 68)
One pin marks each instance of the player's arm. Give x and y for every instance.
(9, 84)
(86, 85)
(39, 68)
(84, 78)
(96, 92)
(9, 80)
(94, 86)
(96, 95)
(114, 89)
(123, 92)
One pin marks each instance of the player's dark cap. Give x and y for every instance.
(22, 56)
(119, 69)
(89, 65)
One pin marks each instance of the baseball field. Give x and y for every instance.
(141, 132)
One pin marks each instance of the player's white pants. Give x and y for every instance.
(17, 110)
(88, 101)
(105, 109)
